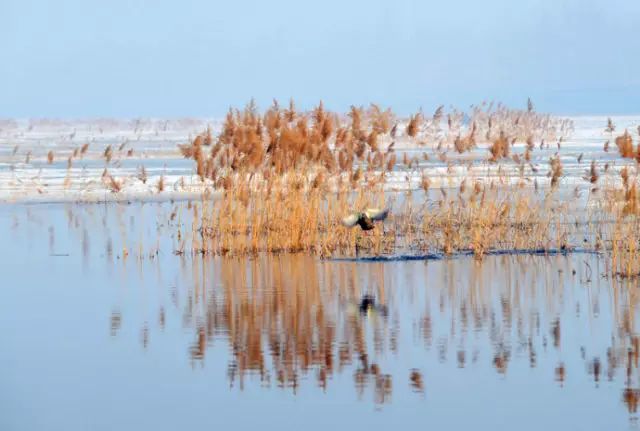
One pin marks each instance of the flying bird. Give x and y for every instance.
(365, 218)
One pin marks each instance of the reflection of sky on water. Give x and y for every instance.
(94, 340)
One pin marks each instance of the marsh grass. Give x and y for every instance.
(623, 233)
(625, 145)
(280, 182)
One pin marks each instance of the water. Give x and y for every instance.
(94, 339)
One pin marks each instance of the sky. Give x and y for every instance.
(133, 58)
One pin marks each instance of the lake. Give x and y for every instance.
(103, 327)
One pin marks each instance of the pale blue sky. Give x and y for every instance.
(83, 58)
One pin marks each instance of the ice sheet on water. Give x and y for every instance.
(25, 174)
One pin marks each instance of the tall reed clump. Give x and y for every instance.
(287, 177)
(499, 148)
(624, 239)
(622, 234)
(484, 219)
(289, 214)
(282, 180)
(555, 171)
(465, 143)
(625, 145)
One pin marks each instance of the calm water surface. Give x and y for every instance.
(92, 339)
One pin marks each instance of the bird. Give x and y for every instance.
(365, 218)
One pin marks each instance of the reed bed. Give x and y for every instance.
(283, 180)
(301, 218)
(280, 182)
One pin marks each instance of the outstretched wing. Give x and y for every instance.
(351, 220)
(377, 214)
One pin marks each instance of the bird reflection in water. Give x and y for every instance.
(286, 319)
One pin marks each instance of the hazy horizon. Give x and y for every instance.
(77, 59)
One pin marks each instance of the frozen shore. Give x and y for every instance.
(27, 176)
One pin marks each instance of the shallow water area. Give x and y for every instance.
(104, 327)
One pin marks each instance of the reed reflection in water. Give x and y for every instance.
(288, 317)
